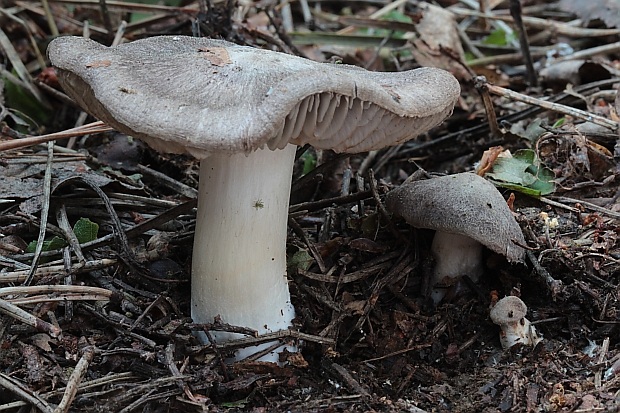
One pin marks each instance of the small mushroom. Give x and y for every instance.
(467, 212)
(509, 314)
(242, 110)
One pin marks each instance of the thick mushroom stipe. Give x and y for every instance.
(220, 102)
(229, 190)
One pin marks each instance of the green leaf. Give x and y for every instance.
(299, 260)
(499, 37)
(392, 16)
(85, 231)
(533, 131)
(559, 122)
(398, 16)
(469, 56)
(309, 160)
(523, 173)
(55, 243)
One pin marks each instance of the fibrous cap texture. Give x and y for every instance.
(200, 96)
(464, 204)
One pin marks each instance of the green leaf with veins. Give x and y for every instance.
(523, 173)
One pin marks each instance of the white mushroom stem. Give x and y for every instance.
(518, 332)
(455, 256)
(239, 259)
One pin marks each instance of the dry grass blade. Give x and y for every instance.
(130, 6)
(264, 338)
(351, 40)
(35, 9)
(50, 18)
(47, 183)
(18, 66)
(51, 270)
(381, 12)
(49, 293)
(91, 128)
(82, 387)
(27, 29)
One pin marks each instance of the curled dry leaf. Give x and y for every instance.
(439, 42)
(488, 159)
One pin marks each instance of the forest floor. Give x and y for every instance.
(84, 328)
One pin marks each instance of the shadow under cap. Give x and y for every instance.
(464, 204)
(200, 96)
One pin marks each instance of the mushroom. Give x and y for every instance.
(242, 110)
(467, 212)
(509, 314)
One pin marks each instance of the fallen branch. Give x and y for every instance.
(27, 318)
(556, 107)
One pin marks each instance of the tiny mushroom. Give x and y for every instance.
(509, 314)
(241, 111)
(467, 212)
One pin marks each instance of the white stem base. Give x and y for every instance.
(455, 256)
(519, 332)
(239, 259)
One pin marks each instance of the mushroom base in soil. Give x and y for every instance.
(239, 259)
(509, 314)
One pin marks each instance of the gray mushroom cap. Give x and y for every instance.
(509, 309)
(199, 96)
(464, 204)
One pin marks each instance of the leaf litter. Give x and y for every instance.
(371, 341)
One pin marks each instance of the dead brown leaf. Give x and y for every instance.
(218, 56)
(439, 43)
(488, 159)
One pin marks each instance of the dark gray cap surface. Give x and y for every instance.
(464, 204)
